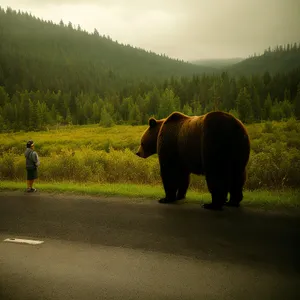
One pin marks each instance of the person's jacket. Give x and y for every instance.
(32, 159)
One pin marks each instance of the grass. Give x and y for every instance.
(93, 154)
(98, 161)
(75, 137)
(258, 198)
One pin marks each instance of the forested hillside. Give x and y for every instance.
(281, 59)
(39, 55)
(55, 74)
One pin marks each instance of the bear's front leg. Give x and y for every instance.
(169, 178)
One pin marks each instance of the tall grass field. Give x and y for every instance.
(95, 156)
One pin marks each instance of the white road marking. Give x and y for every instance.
(23, 241)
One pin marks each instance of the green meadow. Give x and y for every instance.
(95, 160)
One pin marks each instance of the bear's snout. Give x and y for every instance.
(138, 154)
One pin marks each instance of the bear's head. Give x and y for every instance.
(148, 145)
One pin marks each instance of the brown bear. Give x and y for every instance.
(216, 145)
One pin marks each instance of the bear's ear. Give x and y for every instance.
(152, 122)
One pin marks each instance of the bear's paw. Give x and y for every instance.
(212, 206)
(166, 200)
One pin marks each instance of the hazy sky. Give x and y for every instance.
(185, 29)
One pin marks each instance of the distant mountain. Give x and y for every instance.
(35, 54)
(217, 63)
(281, 59)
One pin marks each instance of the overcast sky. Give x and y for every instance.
(185, 29)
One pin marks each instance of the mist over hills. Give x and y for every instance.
(217, 63)
(30, 46)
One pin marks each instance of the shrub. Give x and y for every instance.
(7, 166)
(292, 125)
(93, 154)
(268, 127)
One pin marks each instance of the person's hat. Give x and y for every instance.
(29, 144)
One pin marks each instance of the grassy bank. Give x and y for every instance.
(258, 198)
(96, 155)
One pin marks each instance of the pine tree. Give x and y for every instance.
(87, 111)
(95, 118)
(244, 108)
(267, 108)
(197, 108)
(2, 122)
(32, 117)
(135, 117)
(235, 113)
(187, 110)
(125, 108)
(287, 109)
(169, 103)
(106, 119)
(8, 115)
(256, 108)
(154, 100)
(276, 111)
(4, 98)
(42, 112)
(69, 117)
(215, 98)
(143, 104)
(297, 103)
(52, 115)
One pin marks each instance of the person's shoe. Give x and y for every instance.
(33, 190)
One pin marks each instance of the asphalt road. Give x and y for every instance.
(98, 248)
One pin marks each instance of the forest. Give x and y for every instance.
(55, 74)
(251, 99)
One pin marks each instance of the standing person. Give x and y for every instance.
(32, 162)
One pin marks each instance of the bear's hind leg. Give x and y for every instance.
(183, 185)
(236, 189)
(170, 182)
(218, 187)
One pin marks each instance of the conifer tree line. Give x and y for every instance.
(251, 99)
